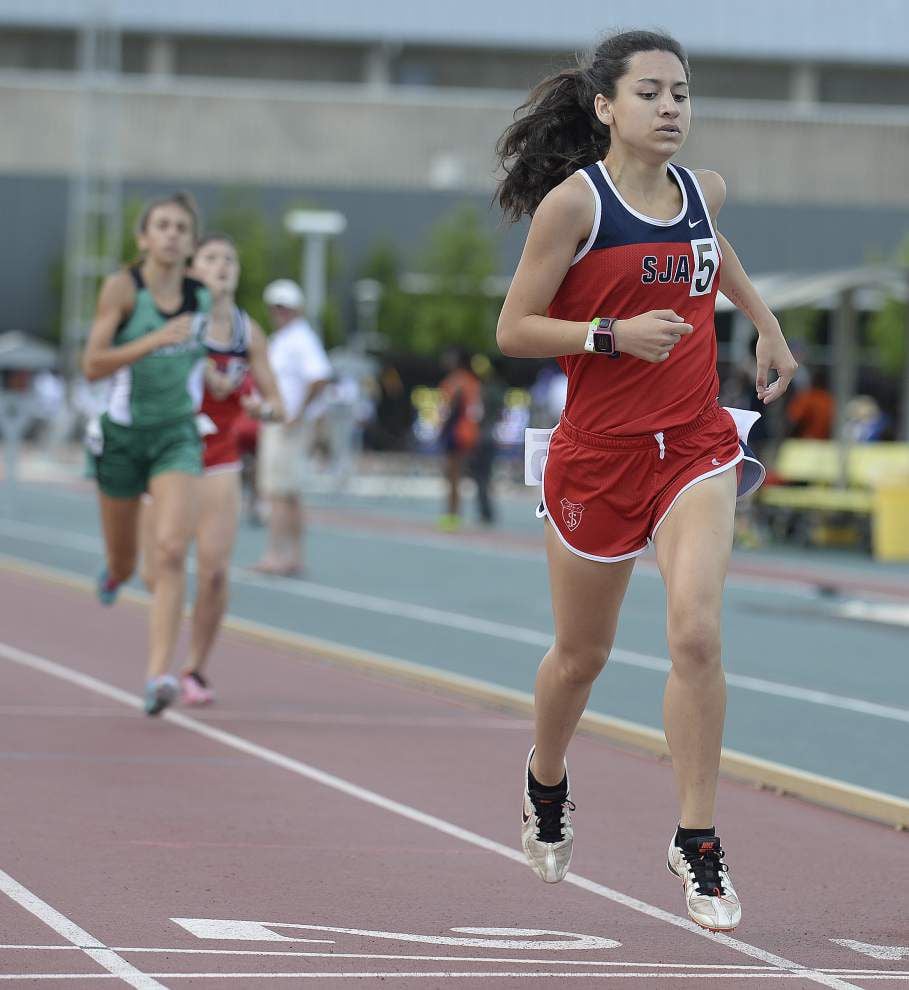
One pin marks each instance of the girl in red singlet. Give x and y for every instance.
(618, 281)
(236, 352)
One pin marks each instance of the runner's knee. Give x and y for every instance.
(170, 553)
(579, 665)
(212, 578)
(694, 644)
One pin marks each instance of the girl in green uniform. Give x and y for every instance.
(147, 337)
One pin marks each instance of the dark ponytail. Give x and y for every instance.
(559, 131)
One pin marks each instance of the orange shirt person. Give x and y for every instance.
(461, 391)
(811, 412)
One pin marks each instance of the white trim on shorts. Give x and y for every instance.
(695, 481)
(229, 468)
(558, 532)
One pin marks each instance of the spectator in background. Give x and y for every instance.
(866, 422)
(547, 395)
(811, 411)
(302, 370)
(50, 409)
(394, 414)
(460, 390)
(482, 460)
(738, 391)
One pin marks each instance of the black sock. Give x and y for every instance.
(683, 834)
(554, 789)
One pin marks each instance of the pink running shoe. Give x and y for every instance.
(194, 689)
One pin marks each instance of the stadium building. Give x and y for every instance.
(389, 113)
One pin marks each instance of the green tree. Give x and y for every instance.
(267, 250)
(126, 251)
(395, 316)
(460, 258)
(801, 323)
(887, 328)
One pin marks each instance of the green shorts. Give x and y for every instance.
(131, 456)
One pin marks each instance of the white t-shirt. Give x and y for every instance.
(297, 359)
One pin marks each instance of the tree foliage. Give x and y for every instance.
(887, 328)
(458, 260)
(268, 251)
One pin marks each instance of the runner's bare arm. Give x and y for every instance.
(262, 375)
(562, 222)
(772, 349)
(115, 303)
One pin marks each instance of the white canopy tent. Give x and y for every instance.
(844, 293)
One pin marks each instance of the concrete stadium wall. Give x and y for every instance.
(823, 190)
(350, 137)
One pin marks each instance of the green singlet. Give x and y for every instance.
(149, 425)
(167, 384)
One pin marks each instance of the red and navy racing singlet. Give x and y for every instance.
(232, 360)
(632, 264)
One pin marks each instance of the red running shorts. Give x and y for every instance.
(607, 495)
(221, 452)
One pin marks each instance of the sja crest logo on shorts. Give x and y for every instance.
(571, 514)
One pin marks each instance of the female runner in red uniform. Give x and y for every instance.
(618, 281)
(236, 352)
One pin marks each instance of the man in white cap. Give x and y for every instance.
(302, 371)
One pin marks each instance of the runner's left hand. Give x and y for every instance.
(773, 352)
(255, 407)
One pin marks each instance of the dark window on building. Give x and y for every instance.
(864, 84)
(134, 54)
(47, 50)
(245, 59)
(739, 80)
(474, 68)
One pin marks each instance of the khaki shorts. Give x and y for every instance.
(281, 458)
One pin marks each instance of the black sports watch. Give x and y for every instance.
(601, 338)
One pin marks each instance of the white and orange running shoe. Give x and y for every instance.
(709, 895)
(546, 831)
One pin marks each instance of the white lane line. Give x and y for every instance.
(884, 613)
(79, 937)
(416, 975)
(484, 627)
(286, 718)
(731, 968)
(794, 778)
(779, 584)
(284, 953)
(242, 745)
(644, 567)
(386, 974)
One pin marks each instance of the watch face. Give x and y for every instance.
(602, 342)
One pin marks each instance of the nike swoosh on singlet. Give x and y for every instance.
(690, 224)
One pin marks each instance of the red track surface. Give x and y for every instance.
(122, 823)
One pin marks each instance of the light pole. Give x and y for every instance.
(368, 295)
(315, 227)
